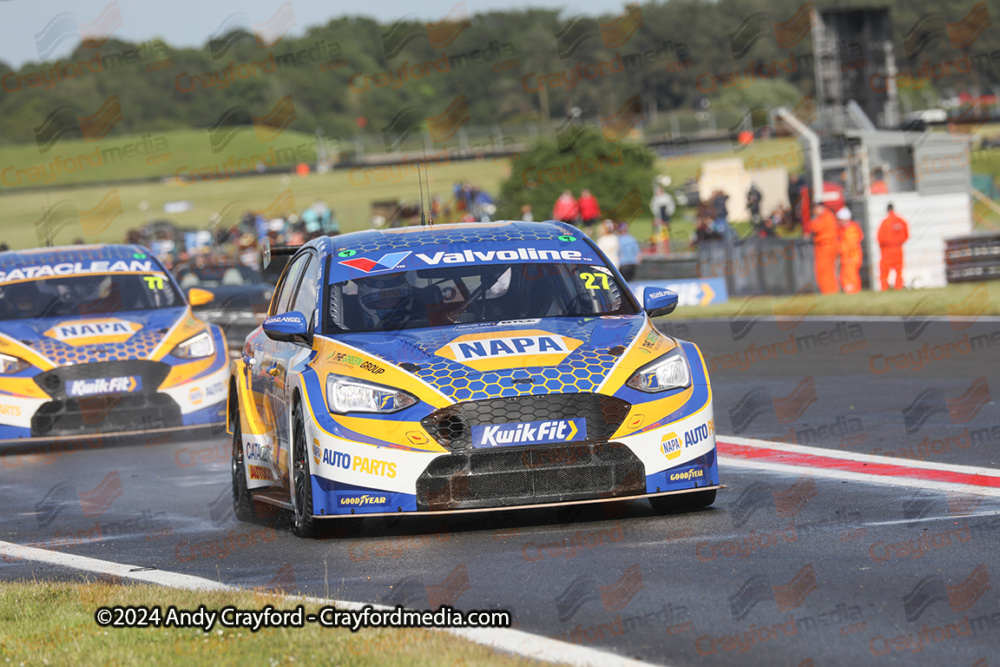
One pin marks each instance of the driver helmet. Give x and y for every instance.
(386, 301)
(24, 302)
(85, 291)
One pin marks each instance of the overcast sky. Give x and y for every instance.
(187, 23)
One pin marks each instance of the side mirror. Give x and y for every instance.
(657, 301)
(288, 328)
(199, 297)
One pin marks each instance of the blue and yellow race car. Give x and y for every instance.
(462, 367)
(100, 340)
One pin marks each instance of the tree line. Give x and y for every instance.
(354, 74)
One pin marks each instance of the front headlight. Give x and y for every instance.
(11, 365)
(196, 347)
(348, 395)
(670, 371)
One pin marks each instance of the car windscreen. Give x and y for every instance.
(475, 294)
(90, 294)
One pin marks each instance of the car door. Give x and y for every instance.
(262, 355)
(286, 355)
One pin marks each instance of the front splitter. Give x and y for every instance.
(508, 508)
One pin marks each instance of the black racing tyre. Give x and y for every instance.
(683, 502)
(243, 504)
(305, 524)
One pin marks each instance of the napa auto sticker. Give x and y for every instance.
(509, 349)
(693, 292)
(89, 332)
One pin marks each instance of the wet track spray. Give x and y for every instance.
(792, 566)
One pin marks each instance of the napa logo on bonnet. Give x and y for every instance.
(90, 332)
(509, 349)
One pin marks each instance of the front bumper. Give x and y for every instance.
(52, 411)
(356, 478)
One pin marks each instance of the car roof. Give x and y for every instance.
(72, 253)
(501, 231)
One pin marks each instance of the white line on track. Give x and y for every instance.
(928, 519)
(508, 640)
(14, 552)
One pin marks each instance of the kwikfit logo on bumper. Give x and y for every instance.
(529, 433)
(118, 385)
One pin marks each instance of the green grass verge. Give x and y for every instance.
(75, 162)
(150, 155)
(349, 192)
(53, 624)
(761, 154)
(968, 300)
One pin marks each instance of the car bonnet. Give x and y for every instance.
(520, 357)
(120, 336)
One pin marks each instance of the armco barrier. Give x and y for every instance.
(758, 266)
(972, 258)
(663, 268)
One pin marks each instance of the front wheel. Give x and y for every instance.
(685, 502)
(305, 524)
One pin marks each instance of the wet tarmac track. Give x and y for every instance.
(785, 568)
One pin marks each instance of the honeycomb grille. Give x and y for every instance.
(452, 426)
(509, 477)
